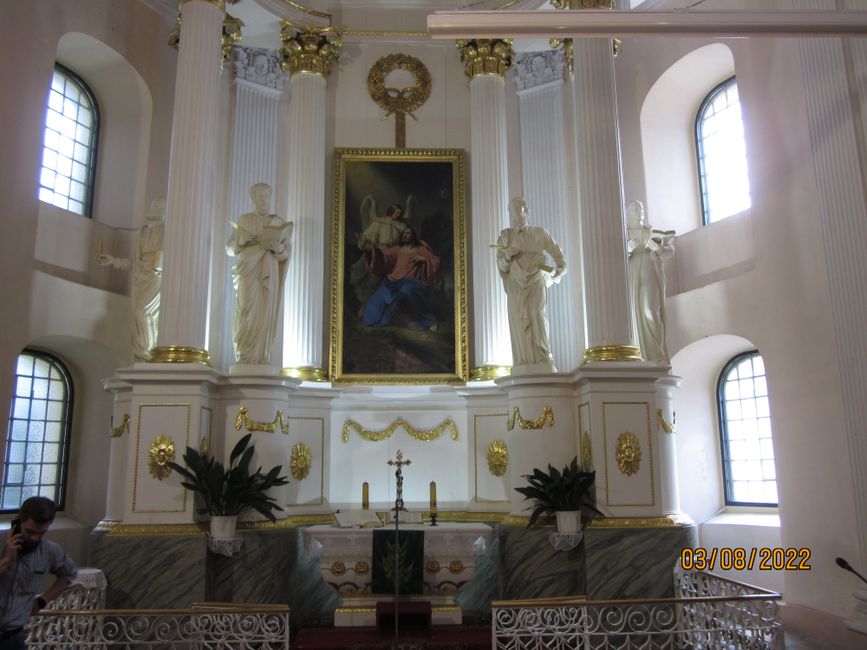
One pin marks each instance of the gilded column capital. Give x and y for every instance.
(583, 4)
(486, 56)
(309, 49)
(230, 36)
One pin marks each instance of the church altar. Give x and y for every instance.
(346, 556)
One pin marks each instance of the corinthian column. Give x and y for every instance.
(606, 300)
(307, 55)
(486, 62)
(189, 215)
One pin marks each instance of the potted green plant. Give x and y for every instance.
(565, 493)
(227, 491)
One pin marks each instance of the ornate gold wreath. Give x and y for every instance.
(399, 100)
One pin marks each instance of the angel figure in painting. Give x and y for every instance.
(260, 242)
(146, 265)
(526, 275)
(647, 249)
(377, 230)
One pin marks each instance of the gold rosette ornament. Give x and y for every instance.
(300, 461)
(628, 453)
(161, 453)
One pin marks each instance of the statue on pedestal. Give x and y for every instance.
(260, 242)
(526, 276)
(647, 249)
(146, 266)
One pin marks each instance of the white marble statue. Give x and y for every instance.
(647, 249)
(146, 266)
(260, 242)
(526, 275)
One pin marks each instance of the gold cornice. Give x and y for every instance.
(306, 9)
(308, 49)
(489, 373)
(385, 33)
(305, 373)
(486, 56)
(583, 4)
(612, 353)
(179, 354)
(669, 521)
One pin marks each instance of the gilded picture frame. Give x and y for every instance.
(398, 276)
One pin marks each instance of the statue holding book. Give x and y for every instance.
(647, 249)
(260, 242)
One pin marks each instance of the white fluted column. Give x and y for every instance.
(258, 88)
(544, 163)
(837, 118)
(603, 252)
(189, 214)
(307, 55)
(486, 62)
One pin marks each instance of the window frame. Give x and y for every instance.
(90, 182)
(717, 90)
(59, 497)
(723, 432)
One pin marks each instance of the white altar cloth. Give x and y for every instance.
(450, 551)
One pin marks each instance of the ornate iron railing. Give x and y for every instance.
(211, 627)
(709, 613)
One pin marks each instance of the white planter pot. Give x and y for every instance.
(568, 521)
(223, 527)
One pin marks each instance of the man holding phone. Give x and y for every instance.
(25, 559)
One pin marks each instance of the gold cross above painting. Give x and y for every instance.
(400, 101)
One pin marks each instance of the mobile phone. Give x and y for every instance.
(16, 526)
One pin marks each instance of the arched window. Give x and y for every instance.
(37, 442)
(745, 428)
(69, 144)
(722, 154)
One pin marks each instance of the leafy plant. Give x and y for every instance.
(228, 491)
(571, 489)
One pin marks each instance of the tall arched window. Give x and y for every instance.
(722, 154)
(745, 429)
(37, 442)
(69, 144)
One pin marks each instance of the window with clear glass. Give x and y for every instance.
(722, 154)
(745, 427)
(37, 442)
(69, 144)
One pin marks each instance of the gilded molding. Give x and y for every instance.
(583, 4)
(546, 419)
(381, 33)
(662, 423)
(305, 373)
(300, 461)
(612, 353)
(669, 521)
(305, 9)
(179, 354)
(161, 452)
(220, 4)
(486, 56)
(498, 457)
(489, 373)
(119, 529)
(399, 100)
(586, 452)
(118, 431)
(309, 49)
(244, 420)
(425, 435)
(628, 453)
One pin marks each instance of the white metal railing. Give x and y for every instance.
(206, 627)
(709, 613)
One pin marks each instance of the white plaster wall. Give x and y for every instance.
(55, 300)
(777, 298)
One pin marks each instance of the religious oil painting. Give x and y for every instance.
(398, 277)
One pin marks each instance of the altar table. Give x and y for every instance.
(345, 559)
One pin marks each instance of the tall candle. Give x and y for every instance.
(433, 496)
(365, 496)
(98, 249)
